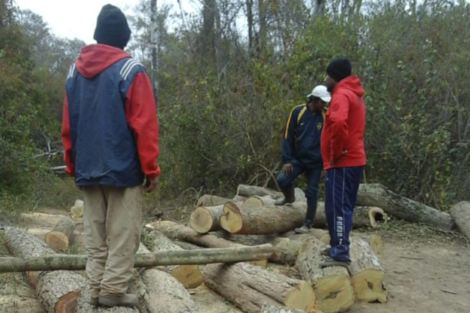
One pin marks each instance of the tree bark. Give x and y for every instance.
(188, 275)
(248, 190)
(286, 251)
(461, 215)
(366, 273)
(61, 236)
(250, 287)
(261, 220)
(57, 291)
(182, 233)
(211, 200)
(409, 210)
(332, 285)
(276, 309)
(159, 292)
(202, 256)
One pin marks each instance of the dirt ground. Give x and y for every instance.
(427, 271)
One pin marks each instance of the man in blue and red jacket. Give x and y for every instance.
(301, 152)
(342, 148)
(110, 138)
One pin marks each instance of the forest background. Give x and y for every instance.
(226, 80)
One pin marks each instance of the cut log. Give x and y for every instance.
(210, 200)
(238, 198)
(247, 191)
(461, 215)
(374, 240)
(332, 285)
(406, 209)
(261, 220)
(193, 257)
(17, 304)
(188, 275)
(276, 309)
(252, 202)
(206, 219)
(366, 272)
(159, 292)
(286, 251)
(83, 305)
(61, 236)
(77, 210)
(250, 287)
(363, 216)
(57, 291)
(179, 232)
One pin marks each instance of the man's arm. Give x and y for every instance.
(338, 123)
(66, 140)
(141, 115)
(289, 137)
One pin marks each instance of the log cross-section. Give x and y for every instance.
(332, 285)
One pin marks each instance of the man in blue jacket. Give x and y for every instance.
(301, 152)
(110, 138)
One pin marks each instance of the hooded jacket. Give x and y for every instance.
(109, 126)
(342, 139)
(302, 137)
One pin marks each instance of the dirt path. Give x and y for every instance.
(424, 277)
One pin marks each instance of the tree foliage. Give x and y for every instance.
(229, 73)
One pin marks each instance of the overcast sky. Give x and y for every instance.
(77, 18)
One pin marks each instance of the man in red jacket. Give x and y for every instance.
(110, 138)
(342, 148)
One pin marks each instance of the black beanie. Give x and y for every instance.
(338, 69)
(112, 28)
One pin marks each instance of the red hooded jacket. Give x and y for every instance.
(342, 139)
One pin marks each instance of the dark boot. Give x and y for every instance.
(289, 197)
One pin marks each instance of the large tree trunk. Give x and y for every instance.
(193, 257)
(61, 236)
(332, 285)
(286, 250)
(401, 207)
(247, 191)
(211, 200)
(276, 309)
(461, 215)
(160, 292)
(188, 275)
(57, 291)
(363, 216)
(179, 232)
(261, 220)
(366, 273)
(250, 287)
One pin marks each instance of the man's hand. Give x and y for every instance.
(287, 169)
(151, 184)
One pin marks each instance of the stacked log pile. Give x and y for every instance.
(226, 247)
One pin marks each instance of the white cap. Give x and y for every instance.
(320, 92)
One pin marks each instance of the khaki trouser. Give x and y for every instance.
(112, 219)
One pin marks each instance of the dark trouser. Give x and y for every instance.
(311, 192)
(341, 186)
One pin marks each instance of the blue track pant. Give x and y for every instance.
(341, 186)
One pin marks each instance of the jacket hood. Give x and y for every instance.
(351, 83)
(95, 58)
